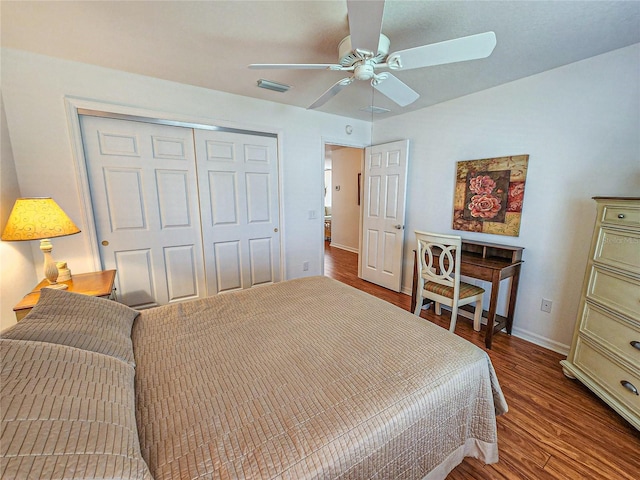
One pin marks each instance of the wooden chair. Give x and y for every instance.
(439, 277)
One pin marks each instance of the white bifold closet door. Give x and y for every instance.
(174, 233)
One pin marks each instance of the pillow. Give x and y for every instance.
(67, 413)
(82, 321)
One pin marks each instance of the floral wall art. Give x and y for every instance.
(489, 195)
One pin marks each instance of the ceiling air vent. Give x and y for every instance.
(374, 109)
(275, 86)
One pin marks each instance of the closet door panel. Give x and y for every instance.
(238, 179)
(173, 198)
(181, 272)
(144, 193)
(258, 198)
(136, 285)
(124, 198)
(260, 260)
(228, 267)
(182, 213)
(223, 199)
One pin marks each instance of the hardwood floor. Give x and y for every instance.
(555, 428)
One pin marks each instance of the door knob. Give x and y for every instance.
(398, 227)
(105, 243)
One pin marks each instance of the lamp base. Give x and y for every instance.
(50, 267)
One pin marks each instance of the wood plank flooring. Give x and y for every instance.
(555, 428)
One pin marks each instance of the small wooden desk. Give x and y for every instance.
(490, 262)
(96, 284)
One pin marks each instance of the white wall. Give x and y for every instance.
(34, 89)
(17, 274)
(346, 163)
(580, 125)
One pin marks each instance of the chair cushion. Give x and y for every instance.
(81, 321)
(466, 289)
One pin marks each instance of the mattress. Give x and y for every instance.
(308, 379)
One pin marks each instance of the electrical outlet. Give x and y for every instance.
(545, 306)
(305, 266)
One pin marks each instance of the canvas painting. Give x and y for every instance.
(489, 195)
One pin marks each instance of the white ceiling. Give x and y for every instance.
(210, 43)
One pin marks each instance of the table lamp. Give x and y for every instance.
(40, 219)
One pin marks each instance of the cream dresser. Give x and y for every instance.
(605, 353)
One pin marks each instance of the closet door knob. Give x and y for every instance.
(621, 215)
(635, 344)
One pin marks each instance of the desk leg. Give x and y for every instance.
(493, 304)
(513, 294)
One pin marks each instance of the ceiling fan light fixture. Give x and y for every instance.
(375, 110)
(275, 86)
(364, 72)
(366, 50)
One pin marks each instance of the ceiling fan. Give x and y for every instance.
(366, 50)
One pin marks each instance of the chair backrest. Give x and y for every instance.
(439, 257)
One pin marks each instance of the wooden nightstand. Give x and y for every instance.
(96, 284)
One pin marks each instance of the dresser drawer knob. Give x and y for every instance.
(635, 344)
(621, 215)
(629, 386)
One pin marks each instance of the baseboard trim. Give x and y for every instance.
(541, 341)
(531, 337)
(343, 247)
(525, 335)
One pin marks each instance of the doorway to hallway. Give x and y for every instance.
(342, 196)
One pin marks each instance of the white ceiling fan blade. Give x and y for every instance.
(365, 24)
(332, 92)
(395, 89)
(450, 51)
(302, 66)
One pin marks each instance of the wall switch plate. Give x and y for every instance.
(305, 266)
(312, 215)
(545, 306)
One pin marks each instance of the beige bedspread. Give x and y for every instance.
(308, 379)
(67, 413)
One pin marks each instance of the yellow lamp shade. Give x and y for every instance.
(40, 219)
(37, 218)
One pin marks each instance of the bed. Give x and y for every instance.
(304, 379)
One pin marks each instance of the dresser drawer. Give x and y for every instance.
(609, 375)
(618, 249)
(617, 292)
(621, 215)
(617, 334)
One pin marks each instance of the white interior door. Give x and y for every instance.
(144, 193)
(385, 181)
(238, 180)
